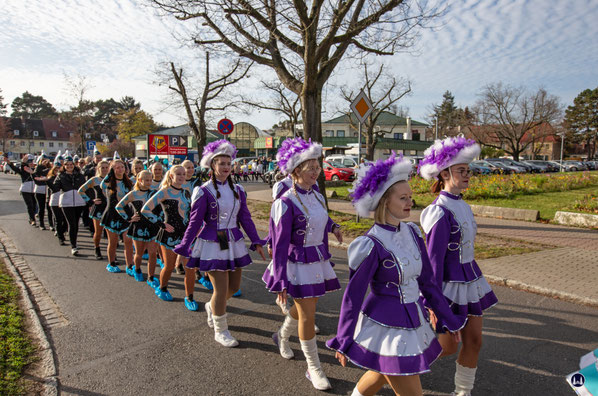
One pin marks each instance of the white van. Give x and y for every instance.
(347, 161)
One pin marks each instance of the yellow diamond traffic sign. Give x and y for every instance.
(361, 106)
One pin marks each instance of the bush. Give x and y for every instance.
(588, 204)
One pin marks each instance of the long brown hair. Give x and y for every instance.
(112, 177)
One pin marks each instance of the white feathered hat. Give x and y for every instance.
(293, 152)
(373, 180)
(214, 149)
(446, 153)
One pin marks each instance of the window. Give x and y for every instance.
(16, 132)
(71, 134)
(35, 133)
(31, 143)
(22, 143)
(340, 133)
(41, 144)
(50, 144)
(12, 143)
(103, 136)
(398, 136)
(54, 133)
(329, 133)
(88, 136)
(60, 144)
(415, 136)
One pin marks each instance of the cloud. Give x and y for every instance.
(117, 45)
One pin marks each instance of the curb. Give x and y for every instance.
(47, 364)
(515, 284)
(493, 279)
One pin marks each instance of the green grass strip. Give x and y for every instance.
(16, 349)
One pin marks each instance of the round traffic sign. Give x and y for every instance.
(225, 126)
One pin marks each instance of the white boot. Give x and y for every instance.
(281, 337)
(314, 372)
(208, 308)
(464, 380)
(316, 329)
(221, 333)
(356, 392)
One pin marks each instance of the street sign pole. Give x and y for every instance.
(362, 108)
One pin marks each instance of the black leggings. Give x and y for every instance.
(50, 214)
(72, 215)
(41, 207)
(59, 222)
(29, 199)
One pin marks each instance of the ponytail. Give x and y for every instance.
(437, 186)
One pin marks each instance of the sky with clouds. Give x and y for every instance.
(117, 46)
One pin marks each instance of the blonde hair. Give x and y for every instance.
(380, 212)
(166, 182)
(99, 167)
(140, 176)
(187, 162)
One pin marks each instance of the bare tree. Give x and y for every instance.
(507, 118)
(303, 43)
(81, 113)
(280, 100)
(199, 102)
(384, 91)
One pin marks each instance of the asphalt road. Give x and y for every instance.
(118, 338)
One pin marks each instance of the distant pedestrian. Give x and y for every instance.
(450, 233)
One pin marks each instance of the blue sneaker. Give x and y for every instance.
(205, 282)
(160, 263)
(138, 276)
(163, 295)
(151, 283)
(130, 271)
(191, 305)
(145, 256)
(113, 268)
(238, 293)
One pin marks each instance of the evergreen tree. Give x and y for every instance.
(31, 106)
(581, 119)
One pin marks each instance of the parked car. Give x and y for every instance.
(348, 161)
(479, 169)
(575, 165)
(531, 168)
(548, 165)
(334, 171)
(510, 164)
(591, 165)
(495, 168)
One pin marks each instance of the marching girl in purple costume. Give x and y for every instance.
(115, 186)
(213, 241)
(91, 192)
(175, 203)
(141, 230)
(388, 332)
(300, 266)
(451, 228)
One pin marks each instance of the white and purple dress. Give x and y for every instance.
(389, 331)
(210, 215)
(451, 229)
(299, 227)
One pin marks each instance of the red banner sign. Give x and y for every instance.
(268, 142)
(158, 144)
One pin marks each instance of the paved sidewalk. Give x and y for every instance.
(568, 272)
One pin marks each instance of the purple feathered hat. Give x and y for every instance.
(446, 153)
(373, 180)
(293, 152)
(214, 149)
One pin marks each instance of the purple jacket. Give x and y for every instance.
(288, 225)
(203, 222)
(393, 262)
(450, 230)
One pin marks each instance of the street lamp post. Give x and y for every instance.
(436, 126)
(562, 135)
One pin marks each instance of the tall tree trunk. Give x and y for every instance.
(311, 108)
